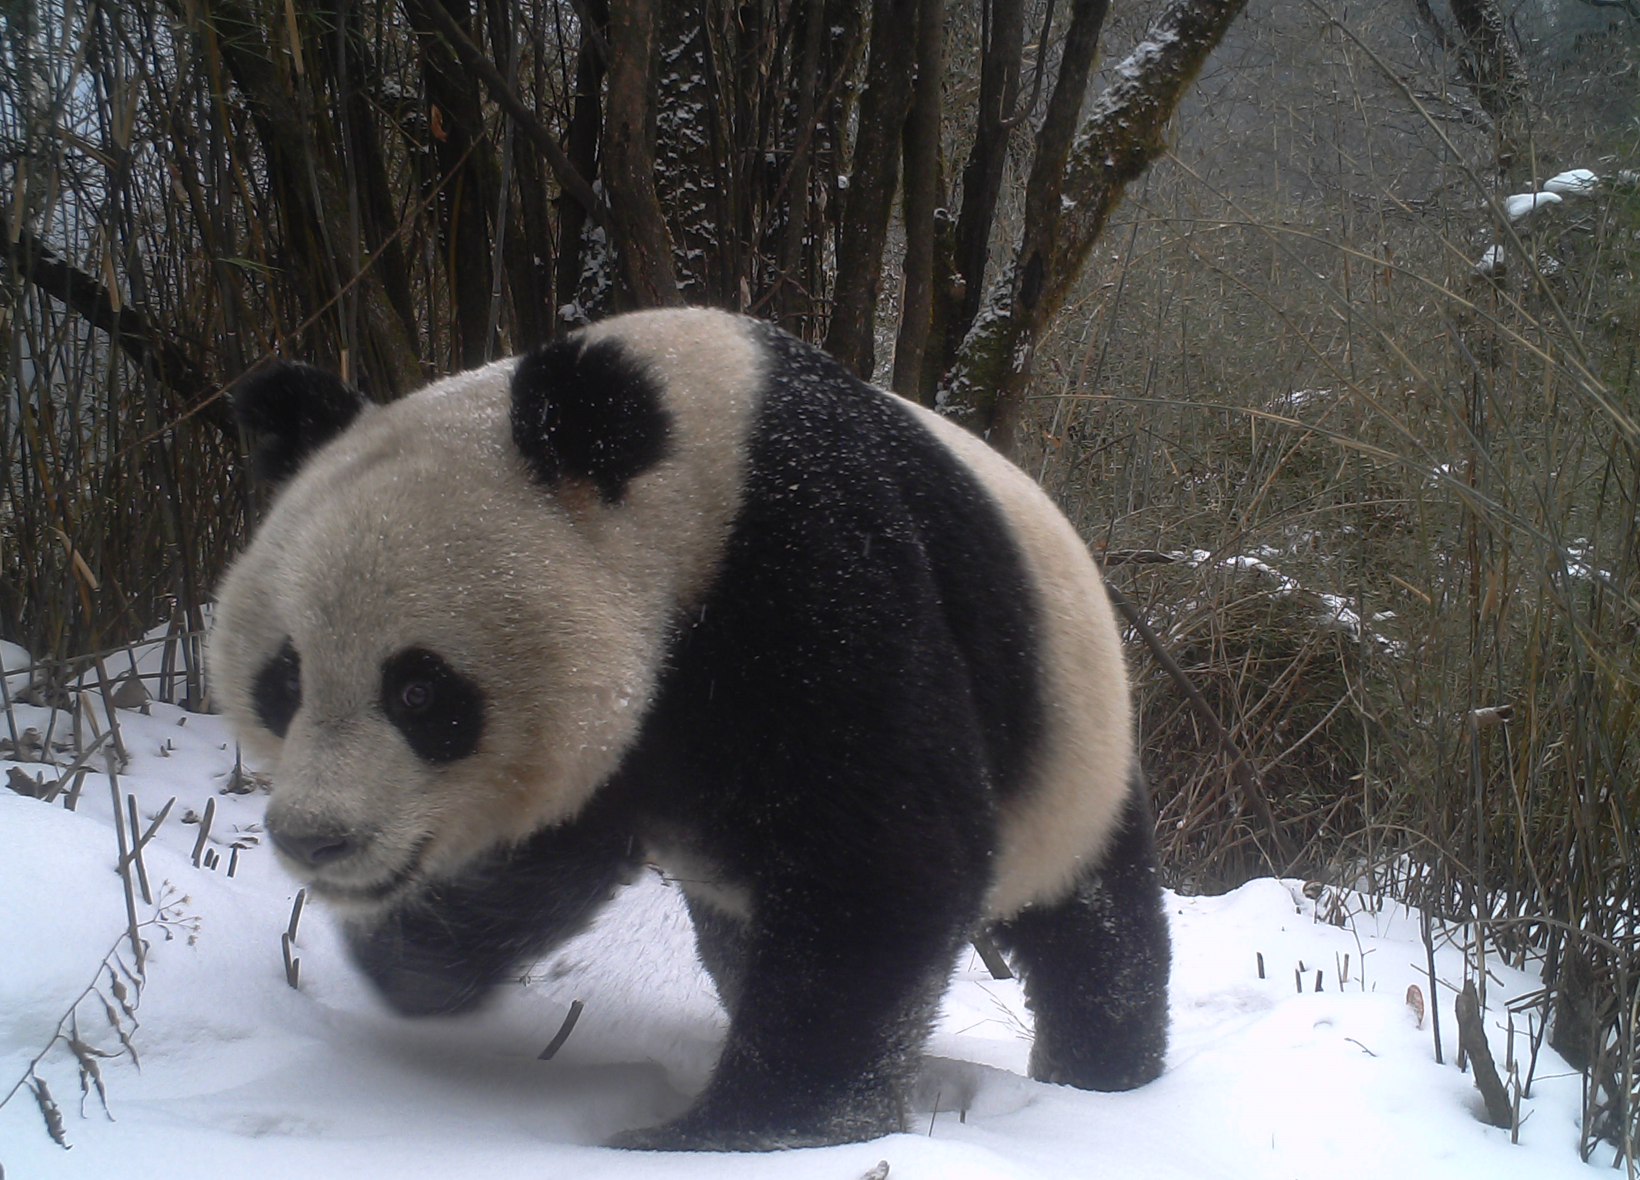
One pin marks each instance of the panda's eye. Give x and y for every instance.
(277, 690)
(439, 711)
(416, 695)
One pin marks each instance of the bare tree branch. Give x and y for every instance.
(474, 59)
(35, 262)
(1123, 134)
(312, 199)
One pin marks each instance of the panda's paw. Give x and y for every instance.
(682, 1134)
(661, 1138)
(696, 1134)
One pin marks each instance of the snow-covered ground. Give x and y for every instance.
(243, 1076)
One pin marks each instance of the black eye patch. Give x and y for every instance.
(277, 689)
(439, 711)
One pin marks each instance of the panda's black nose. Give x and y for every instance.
(313, 849)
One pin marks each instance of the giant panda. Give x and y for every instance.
(678, 588)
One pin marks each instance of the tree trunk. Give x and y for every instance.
(586, 124)
(873, 178)
(794, 298)
(982, 176)
(463, 150)
(1498, 76)
(642, 242)
(924, 187)
(1044, 190)
(689, 182)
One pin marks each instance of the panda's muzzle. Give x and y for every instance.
(317, 852)
(313, 850)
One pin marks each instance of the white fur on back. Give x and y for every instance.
(1060, 823)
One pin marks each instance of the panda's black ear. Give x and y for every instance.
(588, 411)
(289, 410)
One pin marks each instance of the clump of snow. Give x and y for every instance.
(14, 664)
(1576, 182)
(1491, 263)
(1296, 398)
(1522, 205)
(1577, 554)
(1315, 1066)
(1333, 611)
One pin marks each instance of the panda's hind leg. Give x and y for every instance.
(1095, 967)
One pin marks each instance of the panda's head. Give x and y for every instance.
(448, 626)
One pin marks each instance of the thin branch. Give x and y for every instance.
(507, 98)
(1246, 775)
(35, 262)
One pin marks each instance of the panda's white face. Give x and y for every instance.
(436, 654)
(397, 592)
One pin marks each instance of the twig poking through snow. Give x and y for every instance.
(136, 850)
(137, 951)
(1434, 994)
(1472, 1037)
(296, 912)
(563, 1032)
(204, 831)
(990, 956)
(293, 965)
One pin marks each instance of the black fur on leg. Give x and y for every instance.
(445, 950)
(1095, 966)
(719, 940)
(825, 1057)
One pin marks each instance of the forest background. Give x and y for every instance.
(1320, 321)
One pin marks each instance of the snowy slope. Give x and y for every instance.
(243, 1076)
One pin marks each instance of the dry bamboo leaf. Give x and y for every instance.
(132, 978)
(48, 1109)
(90, 1072)
(115, 1023)
(121, 993)
(1415, 1001)
(118, 1026)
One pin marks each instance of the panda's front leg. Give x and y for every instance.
(837, 993)
(443, 950)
